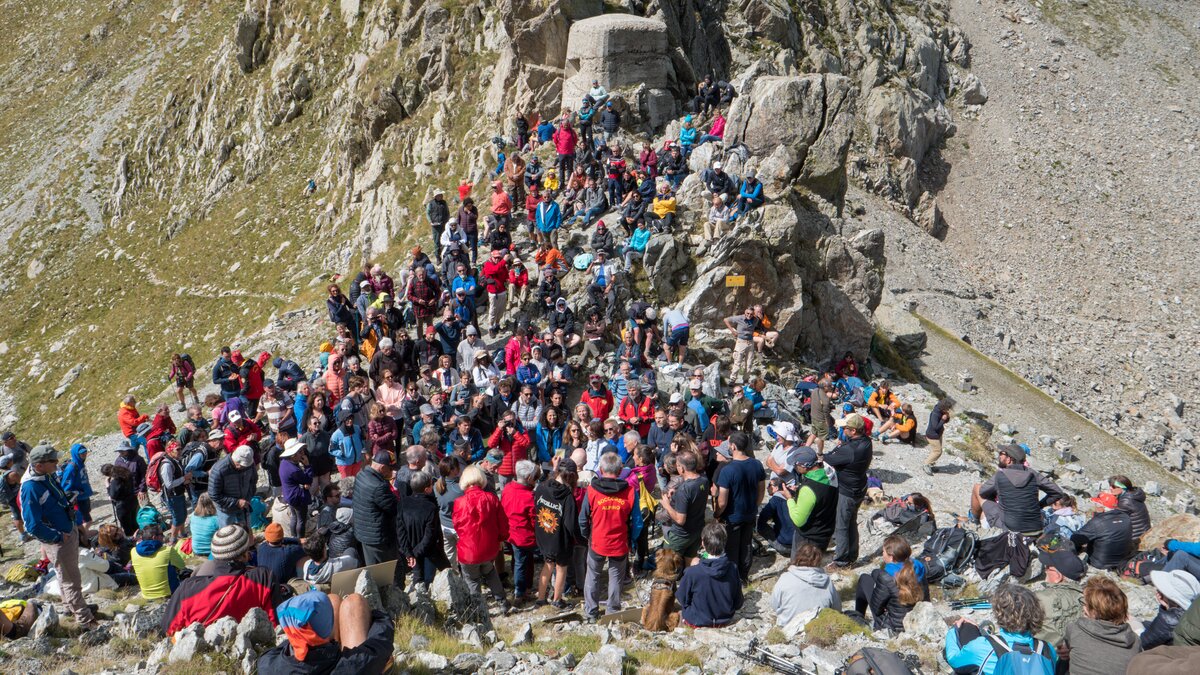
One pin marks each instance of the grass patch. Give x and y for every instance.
(830, 625)
(883, 352)
(440, 641)
(974, 445)
(131, 646)
(213, 662)
(664, 660)
(776, 636)
(579, 645)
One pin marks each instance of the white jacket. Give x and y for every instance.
(93, 571)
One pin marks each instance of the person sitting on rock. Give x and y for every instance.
(1062, 595)
(716, 131)
(710, 591)
(661, 214)
(156, 565)
(902, 426)
(1108, 537)
(883, 402)
(1009, 499)
(719, 182)
(1131, 500)
(330, 634)
(228, 586)
(1101, 641)
(1175, 592)
(891, 591)
(674, 167)
(280, 554)
(320, 566)
(803, 587)
(750, 195)
(1018, 615)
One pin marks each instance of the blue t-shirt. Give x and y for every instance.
(741, 477)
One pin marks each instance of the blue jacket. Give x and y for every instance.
(47, 513)
(474, 440)
(224, 375)
(75, 475)
(752, 192)
(346, 450)
(547, 441)
(979, 652)
(753, 396)
(548, 216)
(639, 239)
(710, 592)
(1192, 547)
(687, 136)
(545, 131)
(299, 407)
(701, 413)
(529, 374)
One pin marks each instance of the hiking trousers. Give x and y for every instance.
(845, 533)
(935, 451)
(591, 587)
(740, 537)
(65, 557)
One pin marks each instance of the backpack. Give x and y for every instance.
(194, 448)
(948, 551)
(875, 661)
(1019, 659)
(148, 515)
(153, 480)
(646, 501)
(1142, 564)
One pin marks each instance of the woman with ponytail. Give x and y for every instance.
(891, 591)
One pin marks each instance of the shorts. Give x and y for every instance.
(994, 513)
(679, 337)
(819, 427)
(349, 470)
(558, 559)
(182, 382)
(684, 546)
(177, 507)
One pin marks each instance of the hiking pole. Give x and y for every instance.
(764, 657)
(973, 603)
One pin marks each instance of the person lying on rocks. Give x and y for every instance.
(329, 634)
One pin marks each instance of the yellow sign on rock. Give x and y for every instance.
(735, 280)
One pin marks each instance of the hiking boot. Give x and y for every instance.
(591, 618)
(182, 408)
(560, 604)
(927, 469)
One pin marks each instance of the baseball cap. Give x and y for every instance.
(1177, 586)
(495, 456)
(1064, 560)
(243, 456)
(803, 455)
(384, 458)
(717, 165)
(677, 398)
(854, 421)
(696, 384)
(43, 453)
(471, 330)
(784, 430)
(427, 409)
(215, 435)
(234, 416)
(292, 447)
(1106, 499)
(724, 450)
(567, 464)
(1015, 452)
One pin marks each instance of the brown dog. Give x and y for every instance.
(660, 613)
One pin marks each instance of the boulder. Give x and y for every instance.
(189, 642)
(1184, 527)
(221, 631)
(973, 91)
(434, 663)
(665, 258)
(926, 620)
(256, 626)
(817, 112)
(524, 635)
(351, 9)
(500, 662)
(608, 659)
(771, 19)
(619, 50)
(365, 586)
(902, 329)
(251, 49)
(902, 121)
(46, 622)
(141, 623)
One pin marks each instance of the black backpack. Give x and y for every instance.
(948, 551)
(875, 661)
(1141, 565)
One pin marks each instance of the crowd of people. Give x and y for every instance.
(469, 418)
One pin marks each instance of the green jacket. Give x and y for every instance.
(1187, 633)
(1063, 604)
(801, 506)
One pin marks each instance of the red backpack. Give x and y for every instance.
(153, 480)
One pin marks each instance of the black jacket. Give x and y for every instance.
(1133, 502)
(852, 459)
(419, 530)
(369, 658)
(1107, 539)
(374, 509)
(226, 485)
(1016, 489)
(818, 529)
(564, 320)
(438, 213)
(610, 120)
(341, 539)
(886, 609)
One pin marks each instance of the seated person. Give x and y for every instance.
(1061, 517)
(1017, 614)
(329, 634)
(774, 521)
(229, 586)
(17, 617)
(602, 239)
(901, 426)
(1175, 592)
(891, 591)
(750, 196)
(636, 248)
(1108, 537)
(883, 402)
(710, 591)
(1101, 641)
(156, 565)
(280, 554)
(804, 586)
(320, 566)
(1062, 596)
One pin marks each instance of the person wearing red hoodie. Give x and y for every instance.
(565, 141)
(517, 345)
(162, 427)
(514, 442)
(481, 527)
(495, 280)
(250, 371)
(716, 132)
(517, 501)
(598, 398)
(128, 416)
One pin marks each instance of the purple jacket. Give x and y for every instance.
(296, 481)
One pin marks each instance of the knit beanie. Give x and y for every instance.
(230, 542)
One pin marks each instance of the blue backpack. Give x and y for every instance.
(1020, 659)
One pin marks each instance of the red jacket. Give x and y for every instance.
(498, 272)
(515, 449)
(129, 419)
(251, 373)
(517, 501)
(643, 411)
(601, 405)
(162, 425)
(232, 590)
(512, 353)
(480, 524)
(233, 438)
(564, 140)
(382, 434)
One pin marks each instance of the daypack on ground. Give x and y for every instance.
(948, 551)
(1142, 564)
(1019, 659)
(875, 661)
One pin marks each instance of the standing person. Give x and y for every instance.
(129, 459)
(742, 328)
(556, 530)
(49, 517)
(231, 484)
(183, 374)
(741, 486)
(495, 280)
(423, 294)
(675, 333)
(418, 531)
(548, 219)
(481, 526)
(122, 492)
(609, 520)
(346, 445)
(224, 375)
(374, 506)
(851, 461)
(821, 407)
(297, 480)
(565, 141)
(938, 418)
(518, 504)
(75, 482)
(685, 505)
(438, 213)
(501, 204)
(174, 482)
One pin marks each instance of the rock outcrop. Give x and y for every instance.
(621, 52)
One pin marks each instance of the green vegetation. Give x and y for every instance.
(440, 641)
(659, 661)
(830, 625)
(579, 645)
(1101, 25)
(883, 352)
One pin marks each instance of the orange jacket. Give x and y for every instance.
(129, 419)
